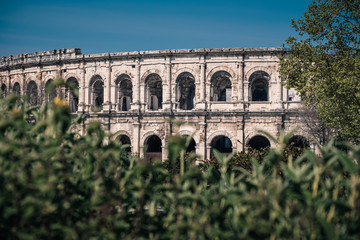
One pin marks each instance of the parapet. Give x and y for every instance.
(75, 54)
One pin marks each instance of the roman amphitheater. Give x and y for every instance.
(223, 95)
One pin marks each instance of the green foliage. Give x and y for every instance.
(323, 65)
(57, 184)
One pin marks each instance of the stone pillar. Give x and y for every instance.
(202, 103)
(166, 105)
(135, 144)
(107, 88)
(136, 104)
(82, 102)
(9, 82)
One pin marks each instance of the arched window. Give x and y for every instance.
(221, 143)
(153, 85)
(185, 91)
(32, 92)
(125, 140)
(71, 97)
(3, 90)
(153, 148)
(258, 142)
(192, 146)
(97, 91)
(16, 89)
(124, 87)
(52, 94)
(259, 86)
(220, 87)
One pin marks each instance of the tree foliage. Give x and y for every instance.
(323, 65)
(57, 184)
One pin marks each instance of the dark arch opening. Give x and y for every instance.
(298, 142)
(16, 89)
(3, 91)
(185, 90)
(153, 148)
(32, 92)
(52, 94)
(221, 87)
(259, 86)
(72, 98)
(124, 85)
(97, 84)
(153, 84)
(192, 145)
(125, 140)
(259, 142)
(221, 143)
(259, 90)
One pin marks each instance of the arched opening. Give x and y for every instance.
(124, 86)
(192, 145)
(32, 93)
(125, 140)
(185, 90)
(52, 94)
(299, 142)
(16, 89)
(259, 86)
(3, 90)
(153, 85)
(258, 142)
(220, 87)
(221, 143)
(97, 91)
(153, 148)
(71, 97)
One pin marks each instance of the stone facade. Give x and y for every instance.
(224, 95)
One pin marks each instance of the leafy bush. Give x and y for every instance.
(58, 184)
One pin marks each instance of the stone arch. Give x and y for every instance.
(96, 91)
(153, 91)
(124, 138)
(124, 92)
(149, 72)
(32, 92)
(3, 90)
(190, 133)
(185, 90)
(71, 97)
(153, 145)
(221, 143)
(51, 95)
(259, 86)
(218, 69)
(16, 89)
(257, 69)
(298, 141)
(258, 142)
(118, 73)
(221, 86)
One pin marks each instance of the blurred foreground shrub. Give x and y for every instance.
(57, 184)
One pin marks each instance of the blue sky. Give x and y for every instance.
(119, 26)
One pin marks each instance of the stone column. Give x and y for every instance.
(135, 144)
(202, 103)
(82, 102)
(9, 82)
(136, 105)
(166, 105)
(107, 88)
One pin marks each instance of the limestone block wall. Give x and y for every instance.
(225, 96)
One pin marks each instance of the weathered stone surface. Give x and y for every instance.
(228, 92)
